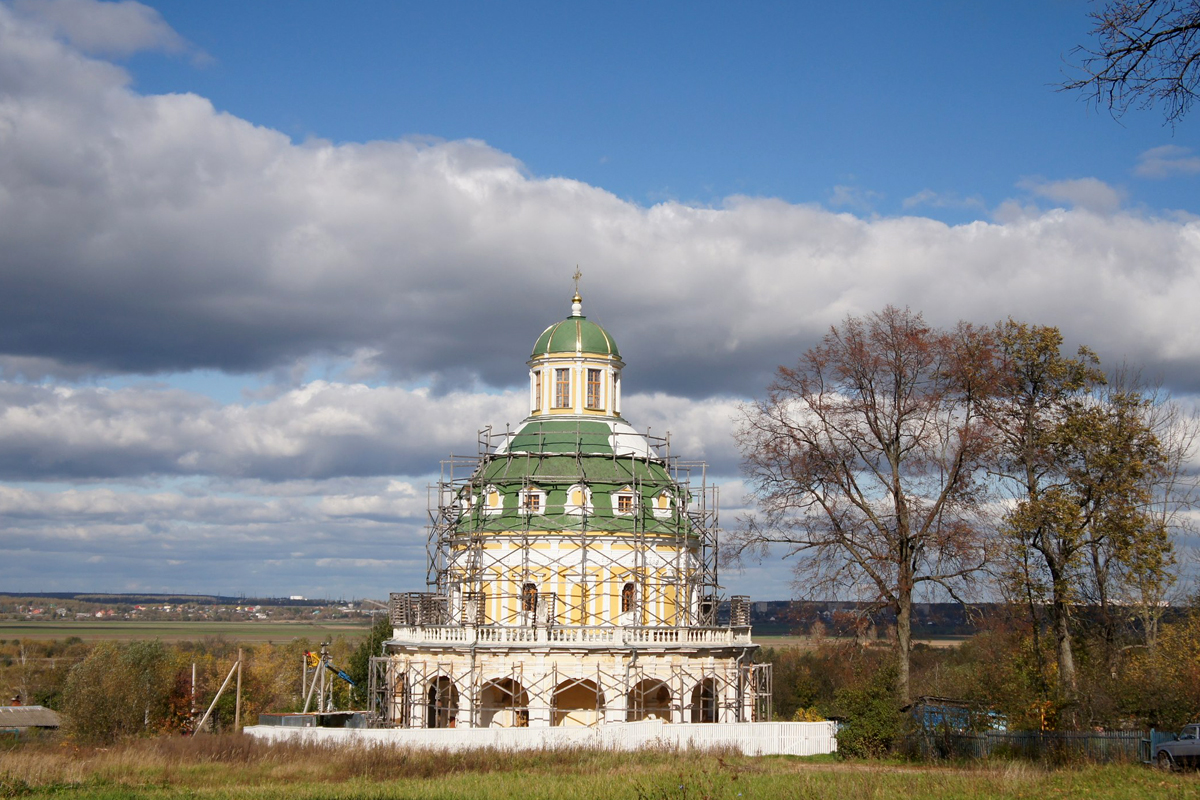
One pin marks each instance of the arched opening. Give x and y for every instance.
(442, 709)
(503, 703)
(704, 701)
(649, 699)
(529, 598)
(400, 700)
(578, 703)
(627, 597)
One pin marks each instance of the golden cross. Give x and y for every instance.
(576, 278)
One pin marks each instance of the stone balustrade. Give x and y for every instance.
(570, 636)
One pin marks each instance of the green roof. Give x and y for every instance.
(554, 474)
(575, 335)
(522, 469)
(560, 436)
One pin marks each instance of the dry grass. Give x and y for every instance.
(220, 767)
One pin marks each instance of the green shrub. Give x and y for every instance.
(872, 724)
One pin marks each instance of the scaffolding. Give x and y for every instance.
(552, 611)
(462, 566)
(444, 692)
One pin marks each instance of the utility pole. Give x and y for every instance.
(237, 706)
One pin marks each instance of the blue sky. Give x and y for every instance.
(691, 101)
(266, 264)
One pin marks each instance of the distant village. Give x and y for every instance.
(769, 617)
(181, 609)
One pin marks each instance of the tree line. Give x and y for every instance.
(897, 460)
(109, 690)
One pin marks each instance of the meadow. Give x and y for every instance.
(235, 766)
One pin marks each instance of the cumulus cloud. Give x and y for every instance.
(106, 28)
(1090, 194)
(1167, 161)
(203, 537)
(319, 430)
(154, 233)
(148, 234)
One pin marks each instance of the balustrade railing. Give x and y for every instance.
(570, 635)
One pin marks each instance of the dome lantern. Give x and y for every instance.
(575, 369)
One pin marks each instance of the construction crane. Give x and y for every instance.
(323, 673)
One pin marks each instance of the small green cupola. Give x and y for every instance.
(575, 369)
(575, 334)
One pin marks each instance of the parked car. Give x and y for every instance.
(1183, 751)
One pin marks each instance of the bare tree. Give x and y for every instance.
(866, 460)
(1147, 52)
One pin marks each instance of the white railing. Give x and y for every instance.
(571, 636)
(752, 738)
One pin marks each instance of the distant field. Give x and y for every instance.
(805, 641)
(180, 631)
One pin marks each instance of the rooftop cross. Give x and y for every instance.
(576, 301)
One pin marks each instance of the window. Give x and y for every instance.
(579, 500)
(532, 502)
(537, 390)
(593, 389)
(662, 504)
(493, 501)
(627, 598)
(529, 597)
(624, 501)
(562, 388)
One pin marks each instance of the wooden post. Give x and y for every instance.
(237, 706)
(204, 719)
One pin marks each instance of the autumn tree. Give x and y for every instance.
(121, 690)
(1080, 464)
(866, 459)
(1146, 52)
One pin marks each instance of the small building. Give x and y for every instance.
(23, 719)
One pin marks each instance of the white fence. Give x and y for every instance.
(752, 738)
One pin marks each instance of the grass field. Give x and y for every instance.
(220, 767)
(180, 631)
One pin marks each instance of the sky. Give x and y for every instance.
(263, 266)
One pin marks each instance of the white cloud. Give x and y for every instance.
(1090, 194)
(149, 234)
(854, 197)
(105, 28)
(1166, 161)
(928, 197)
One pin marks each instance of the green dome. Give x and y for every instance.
(575, 334)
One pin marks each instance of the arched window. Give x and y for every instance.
(579, 500)
(627, 597)
(532, 500)
(595, 397)
(562, 388)
(662, 503)
(624, 502)
(529, 597)
(493, 501)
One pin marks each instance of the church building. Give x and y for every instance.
(572, 572)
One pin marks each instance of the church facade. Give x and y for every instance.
(572, 573)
